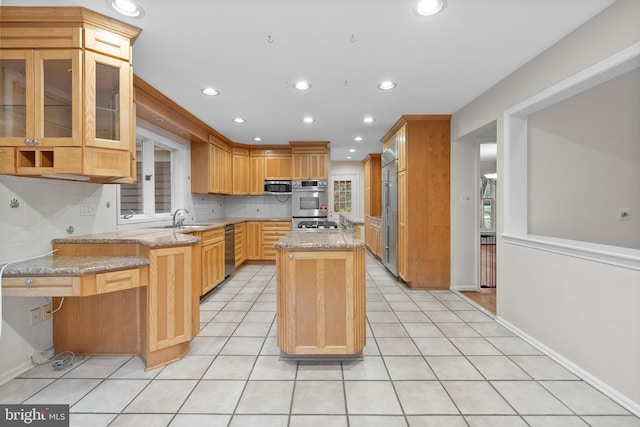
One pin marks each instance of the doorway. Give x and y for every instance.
(343, 196)
(485, 295)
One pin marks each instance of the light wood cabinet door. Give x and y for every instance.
(402, 225)
(401, 147)
(108, 112)
(169, 302)
(319, 166)
(321, 307)
(256, 174)
(253, 240)
(277, 168)
(239, 241)
(212, 266)
(219, 170)
(41, 98)
(241, 175)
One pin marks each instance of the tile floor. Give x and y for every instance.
(432, 359)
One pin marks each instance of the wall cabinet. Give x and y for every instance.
(372, 185)
(66, 93)
(310, 160)
(277, 164)
(241, 171)
(423, 144)
(256, 172)
(211, 167)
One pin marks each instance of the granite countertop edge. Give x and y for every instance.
(320, 240)
(75, 266)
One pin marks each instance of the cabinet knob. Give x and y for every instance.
(290, 256)
(28, 282)
(27, 141)
(35, 141)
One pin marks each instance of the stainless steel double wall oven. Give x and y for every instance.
(309, 200)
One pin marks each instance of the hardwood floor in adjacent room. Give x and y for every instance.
(485, 298)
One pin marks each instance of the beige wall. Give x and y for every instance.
(584, 311)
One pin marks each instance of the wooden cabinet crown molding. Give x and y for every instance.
(410, 118)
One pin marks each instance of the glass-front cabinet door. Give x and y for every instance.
(41, 98)
(108, 102)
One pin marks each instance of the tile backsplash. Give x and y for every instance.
(34, 211)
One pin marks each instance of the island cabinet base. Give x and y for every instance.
(321, 301)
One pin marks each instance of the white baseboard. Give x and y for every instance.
(7, 376)
(613, 394)
(459, 288)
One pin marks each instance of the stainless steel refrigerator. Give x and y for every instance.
(390, 209)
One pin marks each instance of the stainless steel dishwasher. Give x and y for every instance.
(229, 250)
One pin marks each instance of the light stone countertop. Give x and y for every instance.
(151, 237)
(72, 265)
(320, 239)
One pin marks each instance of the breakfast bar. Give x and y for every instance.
(321, 294)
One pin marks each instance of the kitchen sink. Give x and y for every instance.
(187, 227)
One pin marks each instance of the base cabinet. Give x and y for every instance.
(169, 298)
(373, 235)
(321, 301)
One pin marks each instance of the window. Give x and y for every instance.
(342, 196)
(160, 176)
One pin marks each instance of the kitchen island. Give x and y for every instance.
(321, 301)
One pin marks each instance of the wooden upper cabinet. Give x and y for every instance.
(241, 172)
(256, 172)
(66, 92)
(211, 167)
(277, 164)
(372, 184)
(310, 160)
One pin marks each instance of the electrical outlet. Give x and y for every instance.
(624, 214)
(36, 316)
(87, 209)
(46, 312)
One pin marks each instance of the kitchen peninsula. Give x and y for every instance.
(127, 292)
(321, 294)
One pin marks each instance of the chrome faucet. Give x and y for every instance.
(179, 222)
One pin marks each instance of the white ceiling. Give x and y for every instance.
(253, 50)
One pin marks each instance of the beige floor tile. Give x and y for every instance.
(213, 397)
(397, 346)
(318, 421)
(477, 398)
(273, 368)
(543, 368)
(498, 368)
(207, 345)
(582, 398)
(189, 367)
(110, 396)
(423, 330)
(195, 420)
(230, 368)
(388, 330)
(370, 368)
(98, 367)
(243, 346)
(495, 421)
(424, 397)
(475, 347)
(20, 389)
(253, 399)
(437, 421)
(530, 398)
(318, 397)
(556, 421)
(259, 421)
(453, 368)
(90, 420)
(134, 369)
(408, 368)
(376, 421)
(371, 398)
(138, 420)
(161, 396)
(64, 391)
(436, 347)
(310, 370)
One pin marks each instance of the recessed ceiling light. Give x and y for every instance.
(386, 85)
(302, 85)
(368, 119)
(159, 119)
(257, 139)
(239, 120)
(210, 91)
(308, 120)
(352, 150)
(127, 8)
(348, 157)
(430, 7)
(357, 138)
